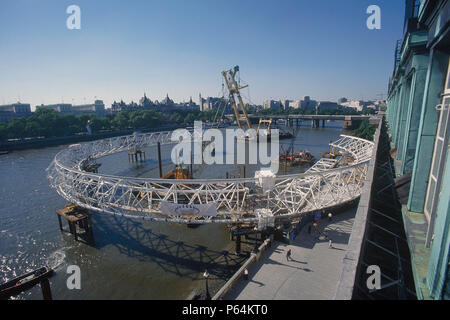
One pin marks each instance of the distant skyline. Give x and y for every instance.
(286, 49)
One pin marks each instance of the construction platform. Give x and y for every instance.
(77, 218)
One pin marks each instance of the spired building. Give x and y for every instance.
(118, 106)
(418, 117)
(145, 102)
(166, 105)
(167, 102)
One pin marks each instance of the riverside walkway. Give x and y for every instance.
(312, 273)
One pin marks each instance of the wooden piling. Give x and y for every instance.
(285, 161)
(192, 161)
(91, 229)
(74, 228)
(159, 160)
(238, 244)
(46, 290)
(60, 222)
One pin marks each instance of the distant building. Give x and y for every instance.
(204, 104)
(272, 104)
(295, 104)
(119, 107)
(358, 105)
(166, 105)
(167, 101)
(61, 108)
(15, 110)
(378, 105)
(305, 104)
(200, 101)
(308, 104)
(327, 106)
(98, 108)
(214, 102)
(342, 100)
(145, 102)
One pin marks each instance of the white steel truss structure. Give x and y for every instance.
(324, 185)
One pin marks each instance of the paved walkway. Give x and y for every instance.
(312, 273)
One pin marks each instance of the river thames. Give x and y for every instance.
(130, 259)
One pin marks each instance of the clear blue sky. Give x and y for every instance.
(286, 49)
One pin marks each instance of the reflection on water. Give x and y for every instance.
(130, 259)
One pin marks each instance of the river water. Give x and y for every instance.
(130, 259)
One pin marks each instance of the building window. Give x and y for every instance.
(439, 159)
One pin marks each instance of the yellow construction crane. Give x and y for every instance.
(233, 88)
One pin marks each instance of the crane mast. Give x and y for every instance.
(233, 88)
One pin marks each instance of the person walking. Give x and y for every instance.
(316, 227)
(330, 244)
(330, 215)
(288, 255)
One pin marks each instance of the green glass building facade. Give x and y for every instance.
(418, 118)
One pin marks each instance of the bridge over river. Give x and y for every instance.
(350, 121)
(311, 117)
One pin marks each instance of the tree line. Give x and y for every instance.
(365, 131)
(46, 123)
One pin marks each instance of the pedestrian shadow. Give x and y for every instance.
(260, 284)
(270, 261)
(297, 261)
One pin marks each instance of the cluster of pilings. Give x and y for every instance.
(315, 123)
(133, 155)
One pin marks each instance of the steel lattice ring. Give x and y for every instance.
(236, 200)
